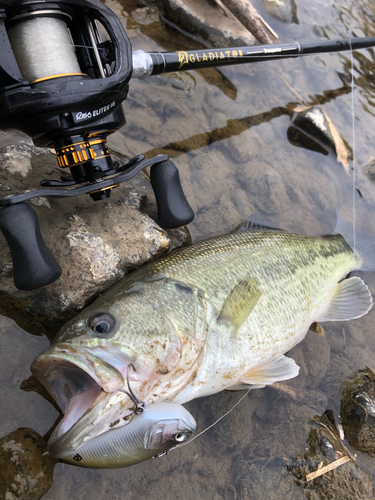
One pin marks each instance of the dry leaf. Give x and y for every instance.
(298, 109)
(370, 161)
(341, 151)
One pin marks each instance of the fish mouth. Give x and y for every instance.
(82, 385)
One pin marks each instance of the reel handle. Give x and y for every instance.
(33, 264)
(173, 208)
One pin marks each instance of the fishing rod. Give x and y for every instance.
(65, 68)
(155, 63)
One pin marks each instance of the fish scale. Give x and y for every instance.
(261, 256)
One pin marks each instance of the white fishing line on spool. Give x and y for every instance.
(43, 48)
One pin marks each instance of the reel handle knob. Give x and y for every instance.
(33, 264)
(173, 208)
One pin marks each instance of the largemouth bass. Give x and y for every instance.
(218, 315)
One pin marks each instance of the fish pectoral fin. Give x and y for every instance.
(352, 299)
(239, 303)
(276, 369)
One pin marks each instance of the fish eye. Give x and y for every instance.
(102, 324)
(180, 437)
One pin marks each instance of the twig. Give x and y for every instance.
(249, 17)
(327, 468)
(221, 6)
(292, 89)
(343, 332)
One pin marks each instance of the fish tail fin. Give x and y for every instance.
(362, 244)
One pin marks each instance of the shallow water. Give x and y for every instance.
(227, 131)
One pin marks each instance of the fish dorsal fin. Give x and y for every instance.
(276, 369)
(239, 303)
(352, 299)
(256, 222)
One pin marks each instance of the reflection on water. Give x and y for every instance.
(237, 126)
(227, 131)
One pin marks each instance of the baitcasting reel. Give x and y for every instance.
(64, 73)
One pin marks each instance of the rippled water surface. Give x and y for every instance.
(227, 132)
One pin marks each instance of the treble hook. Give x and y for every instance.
(139, 405)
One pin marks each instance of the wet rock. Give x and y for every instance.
(145, 15)
(180, 81)
(300, 140)
(16, 158)
(214, 23)
(11, 136)
(95, 243)
(358, 411)
(314, 122)
(133, 199)
(25, 473)
(284, 10)
(346, 480)
(179, 237)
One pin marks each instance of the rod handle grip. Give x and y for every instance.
(33, 264)
(173, 208)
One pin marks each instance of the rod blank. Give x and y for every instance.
(155, 63)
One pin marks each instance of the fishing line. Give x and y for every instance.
(212, 425)
(353, 132)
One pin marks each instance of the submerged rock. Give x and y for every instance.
(95, 243)
(345, 481)
(297, 138)
(317, 124)
(210, 21)
(26, 474)
(358, 411)
(284, 10)
(145, 15)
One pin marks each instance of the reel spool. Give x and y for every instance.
(65, 69)
(64, 72)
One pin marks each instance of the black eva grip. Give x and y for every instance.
(173, 208)
(33, 264)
